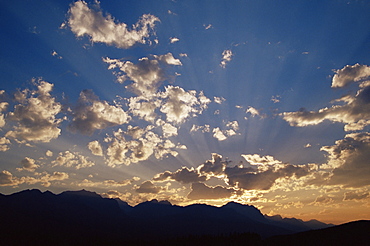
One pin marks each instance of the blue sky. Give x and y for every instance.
(259, 102)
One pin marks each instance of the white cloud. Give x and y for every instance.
(219, 100)
(91, 114)
(226, 58)
(252, 111)
(146, 75)
(174, 40)
(180, 104)
(4, 144)
(217, 133)
(91, 22)
(95, 148)
(36, 115)
(350, 74)
(28, 164)
(75, 160)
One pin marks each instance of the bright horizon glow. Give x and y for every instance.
(262, 103)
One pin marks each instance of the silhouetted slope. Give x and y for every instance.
(32, 217)
(352, 233)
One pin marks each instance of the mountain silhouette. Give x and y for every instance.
(32, 217)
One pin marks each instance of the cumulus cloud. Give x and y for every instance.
(350, 74)
(231, 128)
(75, 160)
(4, 144)
(125, 151)
(226, 58)
(349, 160)
(217, 133)
(95, 148)
(352, 110)
(202, 191)
(36, 115)
(252, 111)
(3, 106)
(146, 75)
(28, 164)
(91, 114)
(148, 187)
(179, 104)
(86, 21)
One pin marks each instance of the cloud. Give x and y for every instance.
(217, 133)
(252, 111)
(36, 115)
(221, 135)
(125, 151)
(146, 75)
(95, 148)
(91, 114)
(226, 58)
(174, 40)
(219, 100)
(107, 183)
(202, 191)
(148, 187)
(184, 175)
(7, 179)
(28, 164)
(350, 74)
(349, 160)
(355, 196)
(3, 106)
(75, 160)
(84, 20)
(179, 104)
(214, 167)
(4, 144)
(353, 111)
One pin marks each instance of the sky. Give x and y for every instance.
(264, 103)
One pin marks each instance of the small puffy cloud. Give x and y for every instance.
(144, 108)
(169, 130)
(125, 151)
(91, 22)
(349, 160)
(353, 111)
(4, 144)
(75, 160)
(218, 134)
(95, 148)
(49, 153)
(255, 159)
(28, 164)
(36, 115)
(205, 128)
(91, 114)
(55, 54)
(202, 191)
(207, 26)
(3, 106)
(179, 104)
(226, 58)
(7, 179)
(146, 75)
(252, 111)
(219, 100)
(174, 40)
(148, 187)
(183, 175)
(275, 99)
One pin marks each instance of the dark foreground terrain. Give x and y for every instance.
(32, 217)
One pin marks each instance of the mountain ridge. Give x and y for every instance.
(80, 214)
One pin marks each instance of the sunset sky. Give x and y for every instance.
(260, 102)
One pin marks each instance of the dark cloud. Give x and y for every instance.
(202, 191)
(148, 187)
(183, 175)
